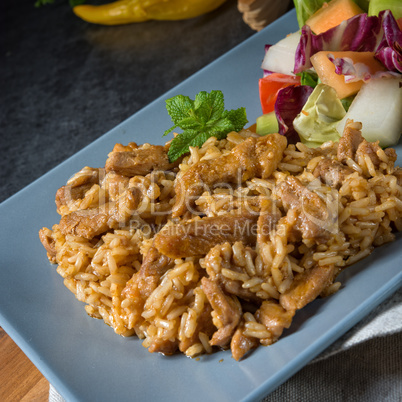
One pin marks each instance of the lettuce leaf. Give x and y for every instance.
(306, 8)
(317, 121)
(360, 33)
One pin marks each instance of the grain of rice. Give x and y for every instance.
(194, 350)
(290, 167)
(86, 276)
(204, 339)
(337, 260)
(176, 312)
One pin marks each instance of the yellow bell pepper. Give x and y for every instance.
(129, 11)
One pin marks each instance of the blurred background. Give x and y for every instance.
(65, 82)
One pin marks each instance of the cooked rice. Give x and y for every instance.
(364, 211)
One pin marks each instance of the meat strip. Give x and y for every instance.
(398, 174)
(371, 149)
(143, 283)
(275, 319)
(353, 145)
(163, 346)
(204, 324)
(139, 161)
(77, 186)
(251, 158)
(312, 213)
(241, 344)
(198, 237)
(307, 286)
(332, 172)
(92, 222)
(227, 309)
(269, 217)
(218, 255)
(115, 184)
(350, 141)
(48, 243)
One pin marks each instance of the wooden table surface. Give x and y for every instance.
(20, 380)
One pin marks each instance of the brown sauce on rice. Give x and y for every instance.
(221, 250)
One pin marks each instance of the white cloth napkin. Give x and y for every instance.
(384, 321)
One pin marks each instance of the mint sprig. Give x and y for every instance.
(200, 119)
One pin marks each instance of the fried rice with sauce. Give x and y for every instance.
(221, 249)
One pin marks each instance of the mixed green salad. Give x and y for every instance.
(317, 78)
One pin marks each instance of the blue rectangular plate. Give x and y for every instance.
(83, 358)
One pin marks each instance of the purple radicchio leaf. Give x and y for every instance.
(360, 33)
(389, 52)
(288, 105)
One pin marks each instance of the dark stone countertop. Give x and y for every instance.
(65, 82)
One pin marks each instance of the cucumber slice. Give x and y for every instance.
(267, 124)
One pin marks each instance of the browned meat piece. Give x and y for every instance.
(95, 221)
(77, 186)
(269, 217)
(275, 319)
(312, 212)
(86, 223)
(371, 149)
(164, 346)
(204, 324)
(251, 158)
(242, 344)
(115, 184)
(48, 243)
(145, 281)
(307, 286)
(125, 148)
(86, 175)
(332, 172)
(350, 140)
(353, 145)
(227, 309)
(198, 237)
(66, 194)
(139, 161)
(234, 287)
(398, 174)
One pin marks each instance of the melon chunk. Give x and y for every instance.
(378, 107)
(326, 70)
(332, 14)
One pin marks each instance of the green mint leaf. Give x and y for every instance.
(190, 123)
(181, 143)
(201, 119)
(238, 117)
(179, 107)
(209, 106)
(220, 128)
